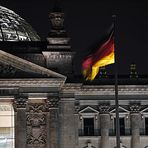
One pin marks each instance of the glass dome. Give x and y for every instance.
(15, 28)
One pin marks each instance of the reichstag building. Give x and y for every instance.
(44, 105)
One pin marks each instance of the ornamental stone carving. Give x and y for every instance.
(36, 125)
(20, 102)
(57, 20)
(35, 120)
(7, 70)
(37, 108)
(36, 136)
(104, 108)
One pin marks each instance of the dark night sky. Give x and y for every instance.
(86, 20)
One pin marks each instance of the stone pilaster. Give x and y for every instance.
(69, 124)
(53, 122)
(20, 121)
(77, 108)
(104, 125)
(135, 125)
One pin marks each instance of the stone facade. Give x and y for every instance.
(58, 110)
(58, 121)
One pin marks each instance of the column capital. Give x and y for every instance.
(53, 102)
(135, 108)
(104, 108)
(20, 102)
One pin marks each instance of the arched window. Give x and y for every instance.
(6, 126)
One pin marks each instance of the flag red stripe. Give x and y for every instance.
(101, 52)
(105, 51)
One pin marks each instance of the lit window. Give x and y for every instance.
(6, 126)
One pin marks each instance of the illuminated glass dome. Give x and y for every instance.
(15, 28)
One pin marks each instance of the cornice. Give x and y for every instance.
(75, 89)
(80, 89)
(71, 87)
(46, 82)
(110, 90)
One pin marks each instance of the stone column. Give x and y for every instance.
(20, 122)
(53, 122)
(68, 123)
(135, 125)
(104, 125)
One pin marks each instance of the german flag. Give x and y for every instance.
(102, 56)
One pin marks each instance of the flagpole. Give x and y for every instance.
(116, 90)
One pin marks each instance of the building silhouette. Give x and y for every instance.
(44, 105)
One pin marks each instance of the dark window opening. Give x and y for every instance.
(146, 126)
(122, 126)
(88, 126)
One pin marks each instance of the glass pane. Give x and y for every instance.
(6, 126)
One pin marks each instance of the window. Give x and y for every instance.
(122, 126)
(6, 126)
(146, 126)
(88, 126)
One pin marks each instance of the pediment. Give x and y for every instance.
(88, 109)
(11, 64)
(9, 71)
(145, 110)
(121, 110)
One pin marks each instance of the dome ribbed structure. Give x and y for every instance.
(15, 28)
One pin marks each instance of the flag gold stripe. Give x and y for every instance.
(102, 62)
